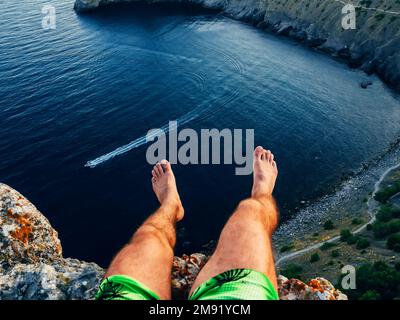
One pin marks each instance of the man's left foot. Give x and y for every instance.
(164, 186)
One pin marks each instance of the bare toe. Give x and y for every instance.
(166, 165)
(258, 152)
(268, 155)
(159, 169)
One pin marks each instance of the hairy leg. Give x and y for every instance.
(245, 241)
(148, 257)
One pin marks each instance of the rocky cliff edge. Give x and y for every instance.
(32, 265)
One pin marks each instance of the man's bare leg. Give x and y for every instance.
(245, 241)
(148, 257)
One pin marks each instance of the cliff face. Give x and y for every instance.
(374, 46)
(31, 262)
(32, 265)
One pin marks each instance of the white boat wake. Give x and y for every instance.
(134, 144)
(198, 113)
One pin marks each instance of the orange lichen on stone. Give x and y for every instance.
(58, 247)
(22, 234)
(316, 285)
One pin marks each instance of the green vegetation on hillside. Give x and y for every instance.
(292, 271)
(375, 282)
(327, 246)
(387, 212)
(286, 248)
(379, 16)
(314, 257)
(328, 225)
(335, 253)
(366, 3)
(362, 243)
(393, 242)
(384, 229)
(387, 223)
(347, 236)
(357, 221)
(385, 194)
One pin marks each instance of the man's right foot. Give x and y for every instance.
(265, 172)
(164, 186)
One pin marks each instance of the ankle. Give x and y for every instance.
(265, 199)
(174, 209)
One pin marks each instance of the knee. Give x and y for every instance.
(152, 234)
(251, 209)
(252, 206)
(264, 212)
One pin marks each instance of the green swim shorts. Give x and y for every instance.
(235, 284)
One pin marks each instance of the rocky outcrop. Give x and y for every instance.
(373, 46)
(184, 272)
(32, 266)
(316, 289)
(60, 280)
(31, 262)
(26, 235)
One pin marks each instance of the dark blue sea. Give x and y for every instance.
(101, 80)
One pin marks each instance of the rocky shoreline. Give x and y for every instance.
(32, 266)
(373, 46)
(347, 197)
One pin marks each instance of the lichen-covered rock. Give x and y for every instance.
(31, 262)
(64, 279)
(316, 289)
(26, 236)
(184, 273)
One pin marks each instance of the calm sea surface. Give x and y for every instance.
(102, 80)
